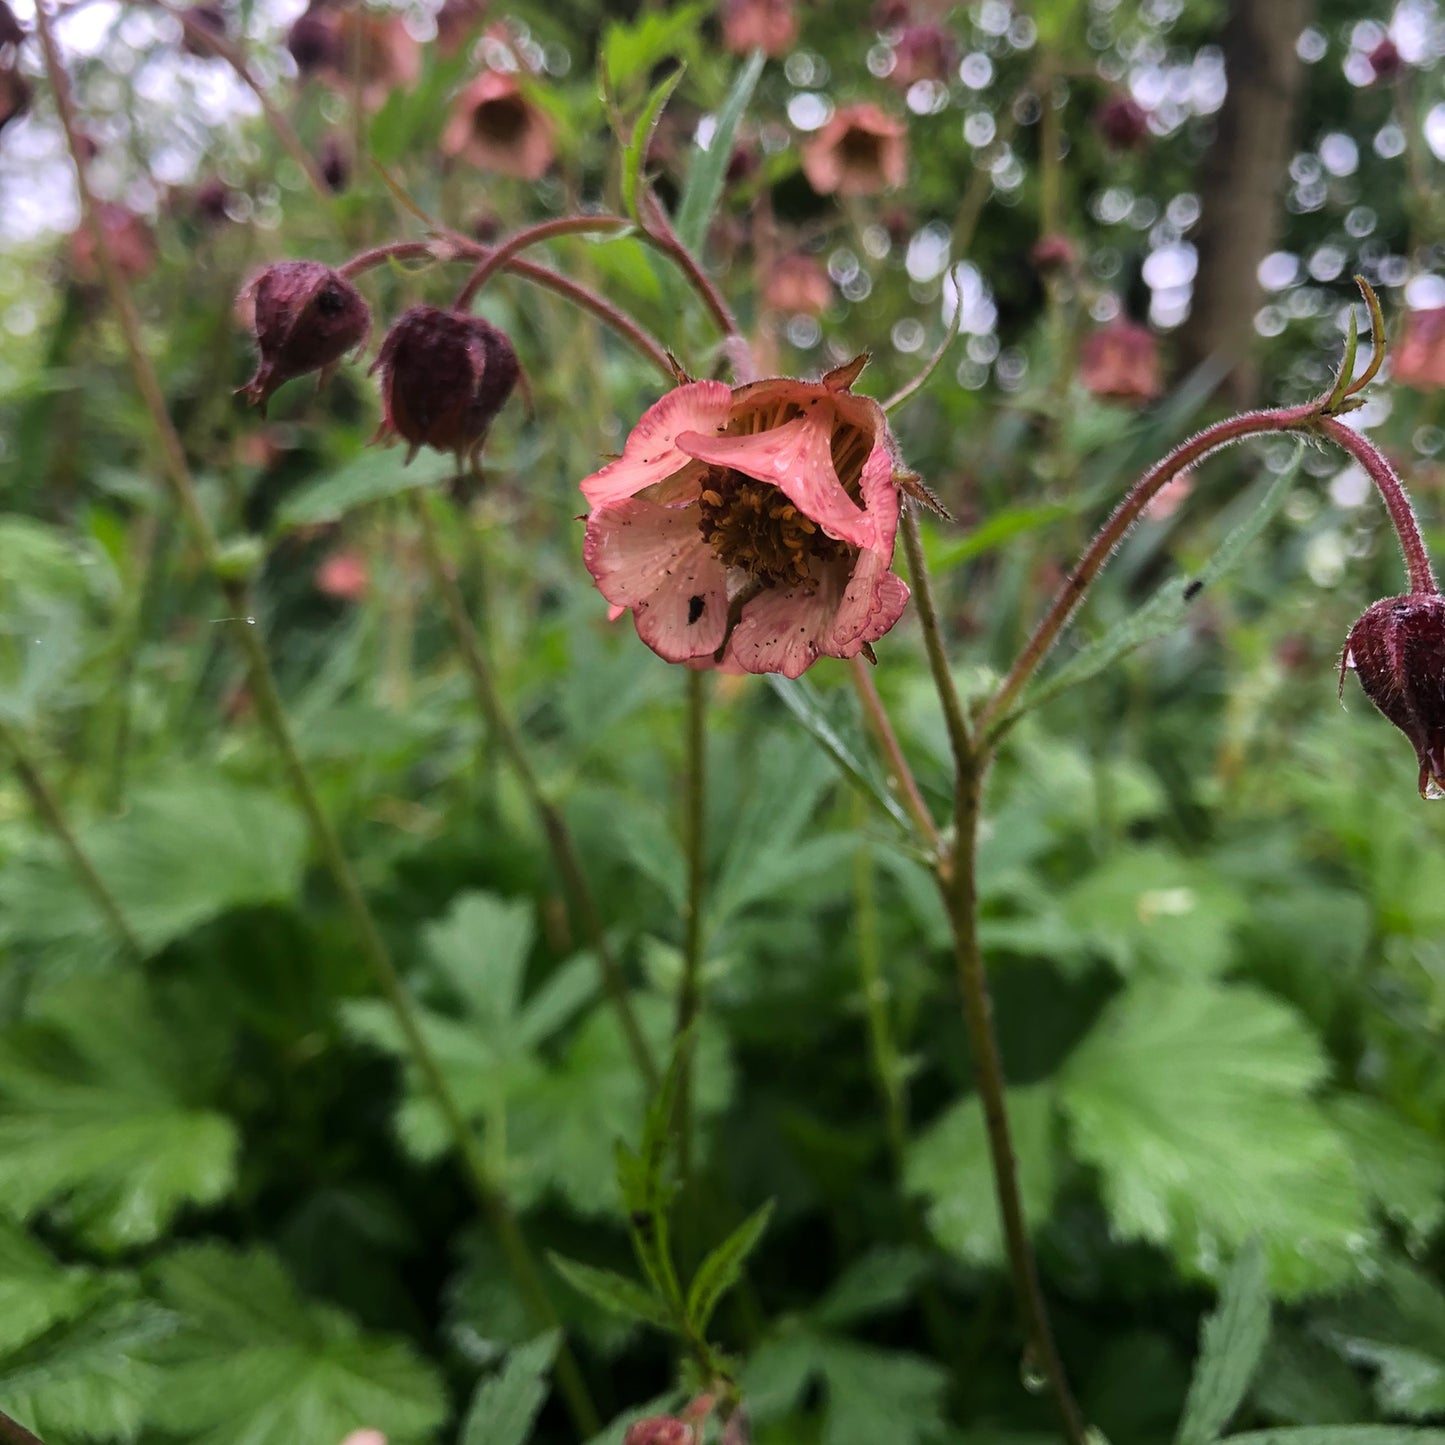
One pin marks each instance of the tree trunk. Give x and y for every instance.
(1242, 185)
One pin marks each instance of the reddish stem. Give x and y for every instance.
(531, 236)
(1402, 514)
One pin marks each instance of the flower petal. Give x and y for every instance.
(788, 629)
(872, 603)
(653, 559)
(651, 454)
(797, 458)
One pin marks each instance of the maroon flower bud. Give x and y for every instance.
(15, 95)
(923, 52)
(210, 200)
(315, 43)
(1386, 61)
(305, 317)
(12, 32)
(444, 376)
(1397, 650)
(457, 21)
(1122, 121)
(660, 1430)
(1052, 253)
(1121, 361)
(128, 238)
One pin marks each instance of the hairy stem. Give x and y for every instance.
(1402, 514)
(1098, 552)
(49, 808)
(646, 345)
(531, 236)
(960, 739)
(900, 774)
(273, 718)
(554, 826)
(961, 898)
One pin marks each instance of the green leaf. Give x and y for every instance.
(805, 702)
(102, 1115)
(1339, 1435)
(613, 1291)
(949, 1165)
(253, 1363)
(723, 1268)
(504, 1408)
(876, 1395)
(90, 1377)
(883, 1279)
(1193, 1101)
(631, 48)
(35, 1291)
(368, 477)
(480, 947)
(1165, 611)
(1231, 1343)
(634, 155)
(180, 855)
(708, 168)
(1000, 528)
(1402, 1168)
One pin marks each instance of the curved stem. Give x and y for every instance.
(48, 806)
(961, 898)
(960, 739)
(1066, 602)
(910, 389)
(659, 233)
(689, 993)
(554, 826)
(901, 774)
(1402, 514)
(272, 716)
(531, 236)
(646, 345)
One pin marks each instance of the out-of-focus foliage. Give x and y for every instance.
(229, 1209)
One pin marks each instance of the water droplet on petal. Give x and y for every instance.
(1031, 1376)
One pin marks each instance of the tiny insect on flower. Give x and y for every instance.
(752, 528)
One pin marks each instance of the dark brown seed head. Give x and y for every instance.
(444, 377)
(305, 317)
(1397, 650)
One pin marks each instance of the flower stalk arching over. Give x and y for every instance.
(752, 527)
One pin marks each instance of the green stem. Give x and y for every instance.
(689, 993)
(960, 894)
(273, 718)
(48, 806)
(554, 826)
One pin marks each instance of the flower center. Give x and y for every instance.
(753, 526)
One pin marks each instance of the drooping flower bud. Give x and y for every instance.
(1386, 61)
(335, 164)
(1053, 253)
(767, 25)
(660, 1430)
(862, 150)
(1122, 121)
(1121, 361)
(1397, 650)
(444, 377)
(305, 317)
(497, 127)
(923, 52)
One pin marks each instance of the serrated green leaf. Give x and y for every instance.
(88, 1378)
(723, 1268)
(504, 1407)
(878, 1395)
(949, 1165)
(36, 1292)
(1193, 1101)
(102, 1116)
(368, 477)
(1401, 1167)
(481, 948)
(1231, 1342)
(708, 169)
(883, 1279)
(253, 1363)
(180, 855)
(1165, 611)
(613, 1291)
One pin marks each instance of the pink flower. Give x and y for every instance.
(767, 25)
(326, 40)
(1419, 356)
(752, 527)
(1121, 361)
(922, 52)
(495, 127)
(660, 1430)
(860, 151)
(344, 576)
(798, 284)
